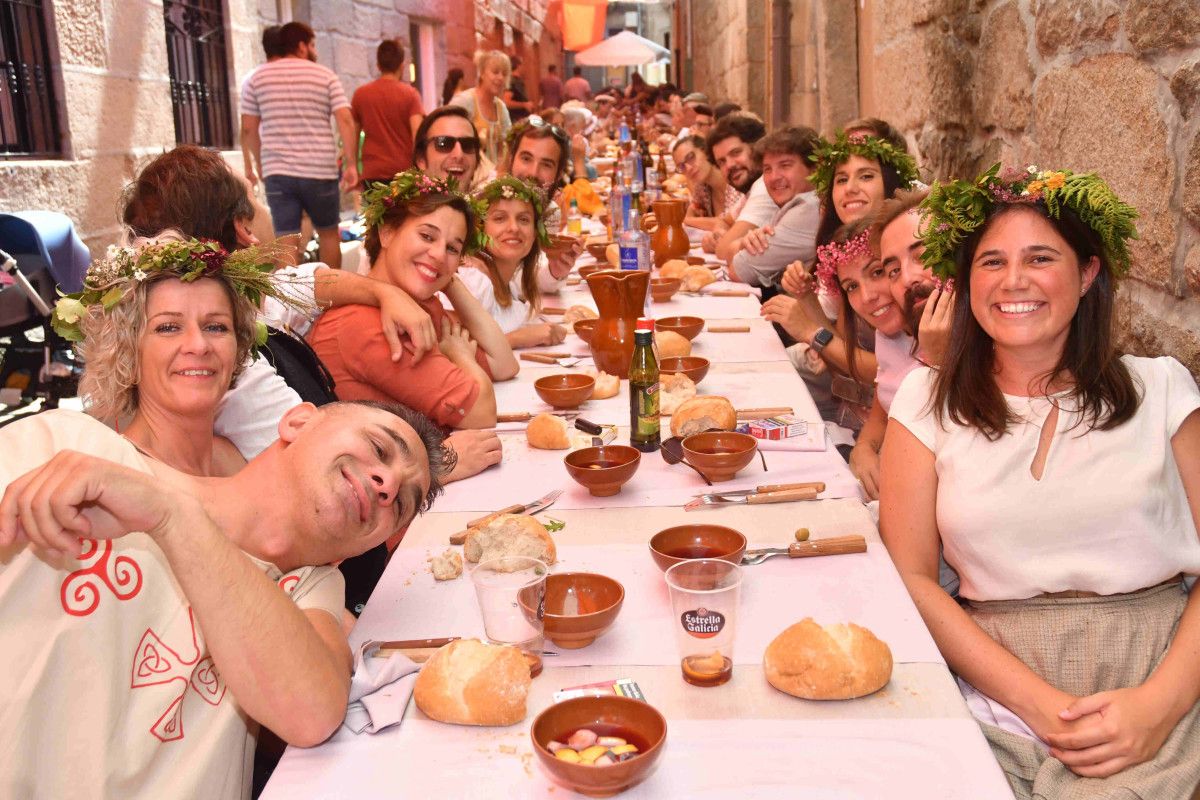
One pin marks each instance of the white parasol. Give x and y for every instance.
(624, 49)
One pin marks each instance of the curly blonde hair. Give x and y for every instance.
(110, 343)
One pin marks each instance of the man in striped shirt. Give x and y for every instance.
(286, 106)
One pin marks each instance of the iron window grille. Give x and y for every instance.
(28, 111)
(199, 77)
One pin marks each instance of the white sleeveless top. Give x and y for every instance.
(1109, 514)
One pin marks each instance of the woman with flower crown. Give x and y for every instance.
(419, 229)
(503, 275)
(165, 327)
(1062, 481)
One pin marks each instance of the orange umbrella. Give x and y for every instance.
(583, 23)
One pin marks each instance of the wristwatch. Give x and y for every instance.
(821, 339)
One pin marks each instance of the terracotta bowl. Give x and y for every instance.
(637, 722)
(584, 329)
(590, 268)
(685, 542)
(689, 327)
(694, 367)
(560, 241)
(598, 250)
(567, 390)
(579, 607)
(603, 470)
(719, 454)
(663, 289)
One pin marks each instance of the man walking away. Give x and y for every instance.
(286, 106)
(577, 87)
(552, 88)
(388, 111)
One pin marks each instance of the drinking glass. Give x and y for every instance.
(704, 598)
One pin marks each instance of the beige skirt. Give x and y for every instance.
(1083, 646)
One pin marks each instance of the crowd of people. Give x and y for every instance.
(181, 565)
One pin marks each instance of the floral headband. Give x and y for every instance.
(410, 184)
(507, 187)
(111, 278)
(828, 155)
(831, 256)
(953, 211)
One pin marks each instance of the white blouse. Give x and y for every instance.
(479, 283)
(1109, 514)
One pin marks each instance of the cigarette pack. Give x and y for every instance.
(784, 426)
(622, 687)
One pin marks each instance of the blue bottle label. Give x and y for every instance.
(629, 256)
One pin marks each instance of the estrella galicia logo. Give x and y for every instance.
(702, 622)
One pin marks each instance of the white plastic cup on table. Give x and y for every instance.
(512, 595)
(704, 599)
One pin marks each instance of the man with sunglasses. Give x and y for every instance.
(540, 152)
(447, 146)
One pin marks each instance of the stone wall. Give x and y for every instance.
(1090, 85)
(721, 46)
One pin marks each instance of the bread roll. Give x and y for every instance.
(576, 313)
(468, 682)
(696, 278)
(832, 662)
(548, 432)
(447, 566)
(671, 344)
(509, 535)
(606, 385)
(673, 268)
(612, 254)
(676, 389)
(701, 413)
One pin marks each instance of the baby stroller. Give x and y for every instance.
(38, 249)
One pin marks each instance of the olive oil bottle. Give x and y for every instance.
(643, 393)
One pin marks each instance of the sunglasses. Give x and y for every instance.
(534, 121)
(687, 161)
(445, 144)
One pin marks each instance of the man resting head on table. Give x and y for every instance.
(154, 619)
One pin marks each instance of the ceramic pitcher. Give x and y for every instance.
(669, 240)
(620, 297)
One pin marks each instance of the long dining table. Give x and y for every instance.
(912, 739)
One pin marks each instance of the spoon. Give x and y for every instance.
(672, 453)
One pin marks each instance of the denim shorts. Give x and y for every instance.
(287, 196)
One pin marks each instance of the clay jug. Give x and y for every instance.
(669, 240)
(620, 297)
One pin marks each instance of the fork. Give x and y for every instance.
(832, 546)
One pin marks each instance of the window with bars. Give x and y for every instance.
(28, 114)
(199, 77)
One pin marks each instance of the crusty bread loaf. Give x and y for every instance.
(671, 344)
(509, 535)
(695, 278)
(702, 413)
(673, 268)
(606, 385)
(447, 566)
(548, 432)
(468, 682)
(612, 254)
(832, 662)
(676, 389)
(576, 313)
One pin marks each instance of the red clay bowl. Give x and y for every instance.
(603, 470)
(567, 390)
(719, 454)
(599, 250)
(634, 721)
(584, 329)
(686, 542)
(579, 607)
(689, 327)
(694, 367)
(663, 289)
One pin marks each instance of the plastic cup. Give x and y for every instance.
(512, 593)
(704, 598)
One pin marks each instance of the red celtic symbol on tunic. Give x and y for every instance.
(156, 663)
(289, 583)
(80, 592)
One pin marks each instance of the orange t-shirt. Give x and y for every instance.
(383, 109)
(351, 344)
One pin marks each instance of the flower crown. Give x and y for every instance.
(506, 187)
(953, 211)
(113, 277)
(828, 155)
(408, 185)
(831, 256)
